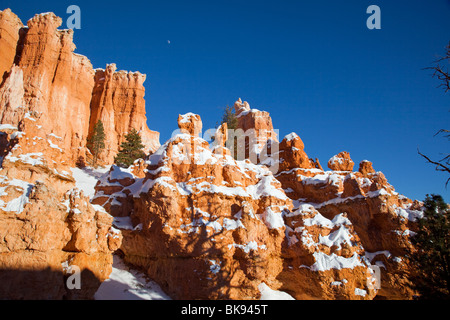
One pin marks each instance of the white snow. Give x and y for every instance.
(411, 215)
(123, 223)
(326, 262)
(54, 146)
(118, 173)
(360, 292)
(7, 127)
(17, 204)
(28, 116)
(84, 181)
(252, 245)
(33, 159)
(335, 159)
(371, 255)
(214, 267)
(186, 118)
(337, 238)
(291, 136)
(127, 284)
(272, 219)
(270, 294)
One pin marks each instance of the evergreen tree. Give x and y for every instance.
(229, 117)
(130, 150)
(431, 258)
(96, 143)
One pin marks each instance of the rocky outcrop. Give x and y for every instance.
(324, 258)
(382, 219)
(341, 162)
(206, 226)
(48, 229)
(118, 101)
(203, 225)
(254, 133)
(42, 74)
(10, 26)
(197, 221)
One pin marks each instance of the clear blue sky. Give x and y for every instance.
(313, 65)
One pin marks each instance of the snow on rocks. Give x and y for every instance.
(195, 203)
(269, 294)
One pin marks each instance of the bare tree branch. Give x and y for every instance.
(439, 166)
(441, 71)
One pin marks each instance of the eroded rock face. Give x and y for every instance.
(47, 226)
(341, 162)
(118, 101)
(203, 225)
(382, 219)
(10, 26)
(255, 133)
(42, 74)
(200, 223)
(324, 258)
(206, 226)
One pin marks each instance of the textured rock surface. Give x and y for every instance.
(62, 88)
(10, 26)
(118, 101)
(382, 219)
(47, 226)
(203, 225)
(200, 223)
(206, 226)
(341, 162)
(254, 131)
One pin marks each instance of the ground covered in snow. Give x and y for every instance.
(125, 283)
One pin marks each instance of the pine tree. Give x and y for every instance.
(431, 258)
(96, 143)
(229, 117)
(130, 150)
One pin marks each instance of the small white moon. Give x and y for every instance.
(168, 41)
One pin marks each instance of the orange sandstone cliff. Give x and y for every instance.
(42, 74)
(49, 98)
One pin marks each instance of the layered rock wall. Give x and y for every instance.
(42, 74)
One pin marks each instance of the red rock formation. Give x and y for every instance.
(47, 226)
(324, 259)
(10, 26)
(341, 162)
(254, 132)
(366, 168)
(203, 225)
(57, 82)
(206, 226)
(382, 219)
(60, 85)
(200, 223)
(118, 101)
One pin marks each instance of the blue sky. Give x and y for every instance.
(313, 65)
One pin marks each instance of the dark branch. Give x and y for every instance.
(439, 166)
